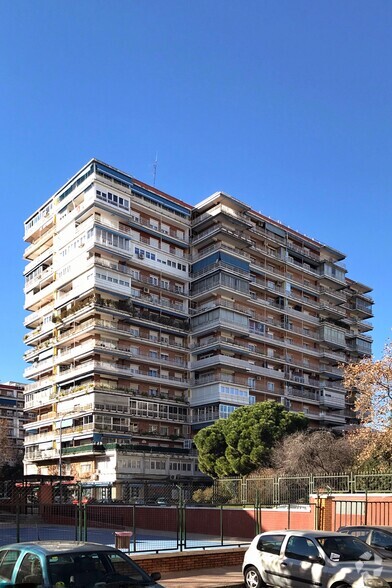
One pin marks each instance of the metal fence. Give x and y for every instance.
(272, 490)
(158, 517)
(362, 512)
(139, 516)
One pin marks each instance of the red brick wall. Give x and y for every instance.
(194, 560)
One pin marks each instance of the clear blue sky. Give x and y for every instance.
(286, 105)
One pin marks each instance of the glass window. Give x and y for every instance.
(270, 543)
(301, 548)
(30, 570)
(7, 563)
(381, 539)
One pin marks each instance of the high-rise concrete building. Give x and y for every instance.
(13, 419)
(150, 318)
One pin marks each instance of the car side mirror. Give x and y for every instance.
(155, 576)
(316, 559)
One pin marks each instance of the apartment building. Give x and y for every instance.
(273, 316)
(149, 318)
(14, 418)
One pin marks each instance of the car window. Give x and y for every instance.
(7, 563)
(301, 548)
(360, 533)
(270, 543)
(30, 570)
(345, 548)
(126, 567)
(381, 539)
(80, 567)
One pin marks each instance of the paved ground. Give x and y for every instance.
(227, 577)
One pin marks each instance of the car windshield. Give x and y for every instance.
(86, 569)
(342, 548)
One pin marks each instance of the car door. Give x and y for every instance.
(302, 565)
(269, 559)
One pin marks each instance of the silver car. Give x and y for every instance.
(319, 559)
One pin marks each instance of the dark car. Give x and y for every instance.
(63, 564)
(378, 536)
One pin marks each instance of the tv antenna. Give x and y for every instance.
(154, 169)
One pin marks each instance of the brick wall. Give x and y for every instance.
(194, 560)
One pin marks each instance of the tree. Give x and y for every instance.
(7, 450)
(370, 383)
(313, 452)
(243, 442)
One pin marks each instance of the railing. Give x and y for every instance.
(282, 489)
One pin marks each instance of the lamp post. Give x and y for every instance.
(61, 459)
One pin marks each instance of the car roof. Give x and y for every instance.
(55, 547)
(367, 527)
(302, 533)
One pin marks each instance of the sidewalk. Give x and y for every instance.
(227, 577)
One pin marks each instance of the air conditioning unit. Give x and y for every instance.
(140, 255)
(146, 290)
(173, 477)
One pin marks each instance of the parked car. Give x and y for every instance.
(161, 501)
(378, 536)
(318, 559)
(63, 564)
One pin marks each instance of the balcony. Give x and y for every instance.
(223, 361)
(331, 311)
(221, 266)
(40, 297)
(333, 276)
(227, 234)
(40, 384)
(44, 220)
(39, 367)
(362, 308)
(72, 372)
(219, 247)
(332, 399)
(331, 418)
(303, 394)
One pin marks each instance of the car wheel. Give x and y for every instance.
(252, 578)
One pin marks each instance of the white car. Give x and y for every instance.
(314, 559)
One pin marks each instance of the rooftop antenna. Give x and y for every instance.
(154, 169)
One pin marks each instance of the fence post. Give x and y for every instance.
(221, 523)
(134, 527)
(17, 523)
(275, 493)
(181, 518)
(257, 512)
(84, 522)
(288, 516)
(244, 490)
(366, 506)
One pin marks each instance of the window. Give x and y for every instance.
(270, 386)
(270, 543)
(7, 563)
(30, 570)
(301, 548)
(381, 539)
